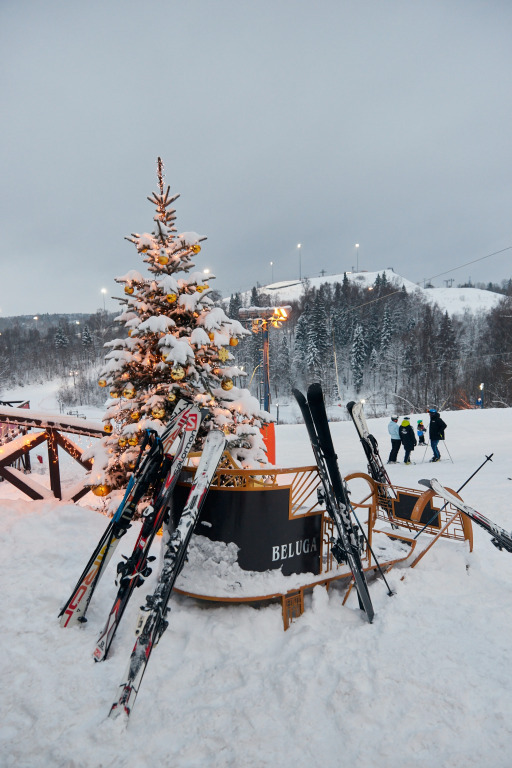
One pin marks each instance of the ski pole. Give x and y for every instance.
(487, 458)
(449, 454)
(424, 453)
(390, 591)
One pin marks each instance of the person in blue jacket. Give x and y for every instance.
(394, 431)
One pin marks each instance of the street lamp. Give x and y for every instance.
(104, 292)
(357, 257)
(480, 400)
(272, 265)
(262, 318)
(300, 262)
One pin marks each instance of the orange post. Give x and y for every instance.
(269, 438)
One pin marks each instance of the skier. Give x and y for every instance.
(420, 430)
(394, 431)
(408, 438)
(436, 432)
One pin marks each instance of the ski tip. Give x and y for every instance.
(425, 482)
(315, 390)
(350, 405)
(298, 395)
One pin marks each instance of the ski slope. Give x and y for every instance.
(426, 685)
(455, 301)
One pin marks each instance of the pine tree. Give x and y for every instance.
(61, 341)
(300, 345)
(318, 346)
(86, 337)
(357, 357)
(386, 330)
(178, 345)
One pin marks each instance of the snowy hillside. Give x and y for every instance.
(426, 685)
(451, 300)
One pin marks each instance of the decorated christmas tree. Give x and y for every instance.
(176, 344)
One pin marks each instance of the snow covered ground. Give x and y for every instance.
(455, 301)
(427, 684)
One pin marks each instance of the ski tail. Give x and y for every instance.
(74, 610)
(152, 621)
(134, 570)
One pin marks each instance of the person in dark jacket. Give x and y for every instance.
(408, 439)
(435, 432)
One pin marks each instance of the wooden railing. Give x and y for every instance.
(49, 429)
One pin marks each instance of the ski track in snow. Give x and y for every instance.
(427, 685)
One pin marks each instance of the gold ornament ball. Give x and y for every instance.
(102, 383)
(158, 413)
(129, 289)
(227, 384)
(131, 464)
(163, 259)
(133, 440)
(233, 342)
(171, 298)
(211, 336)
(199, 288)
(122, 442)
(129, 393)
(171, 397)
(114, 394)
(177, 373)
(134, 416)
(205, 287)
(196, 248)
(101, 490)
(108, 428)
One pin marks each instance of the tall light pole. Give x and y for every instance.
(357, 257)
(481, 398)
(272, 266)
(300, 262)
(104, 292)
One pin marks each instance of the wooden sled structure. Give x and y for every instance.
(405, 511)
(48, 429)
(263, 535)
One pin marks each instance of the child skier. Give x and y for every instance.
(420, 431)
(408, 438)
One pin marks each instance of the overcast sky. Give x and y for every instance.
(326, 123)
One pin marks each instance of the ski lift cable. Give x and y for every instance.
(454, 269)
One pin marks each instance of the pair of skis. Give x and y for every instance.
(347, 546)
(147, 473)
(133, 570)
(152, 621)
(501, 538)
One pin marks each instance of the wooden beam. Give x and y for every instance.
(73, 449)
(10, 452)
(53, 463)
(32, 489)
